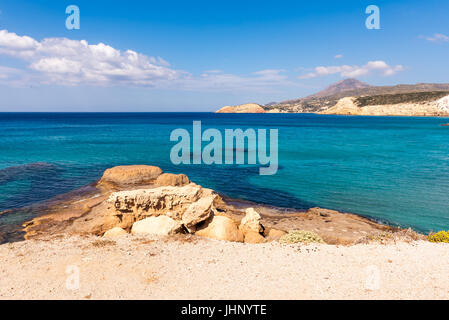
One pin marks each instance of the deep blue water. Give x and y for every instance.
(394, 169)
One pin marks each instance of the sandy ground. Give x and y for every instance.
(133, 267)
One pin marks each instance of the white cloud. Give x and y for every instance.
(63, 61)
(263, 80)
(71, 62)
(354, 71)
(437, 37)
(338, 56)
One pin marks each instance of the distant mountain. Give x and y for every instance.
(364, 95)
(342, 86)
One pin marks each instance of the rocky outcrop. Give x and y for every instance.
(221, 228)
(253, 237)
(244, 108)
(185, 209)
(125, 176)
(161, 225)
(251, 222)
(198, 212)
(168, 200)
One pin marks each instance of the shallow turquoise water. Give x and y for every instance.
(394, 169)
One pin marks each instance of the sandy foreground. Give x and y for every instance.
(136, 267)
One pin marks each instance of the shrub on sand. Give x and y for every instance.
(296, 236)
(442, 236)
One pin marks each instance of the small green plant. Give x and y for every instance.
(296, 236)
(442, 236)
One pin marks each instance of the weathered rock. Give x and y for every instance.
(114, 232)
(100, 219)
(198, 212)
(156, 201)
(253, 237)
(220, 228)
(161, 225)
(251, 222)
(170, 179)
(130, 175)
(244, 108)
(275, 234)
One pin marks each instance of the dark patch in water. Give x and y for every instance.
(11, 221)
(25, 171)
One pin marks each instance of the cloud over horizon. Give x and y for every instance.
(72, 62)
(66, 62)
(347, 71)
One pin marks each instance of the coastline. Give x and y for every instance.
(59, 214)
(70, 236)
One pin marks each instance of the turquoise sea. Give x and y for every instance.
(392, 169)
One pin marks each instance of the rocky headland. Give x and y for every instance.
(244, 108)
(353, 97)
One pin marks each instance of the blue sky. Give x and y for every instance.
(201, 55)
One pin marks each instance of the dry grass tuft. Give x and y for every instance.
(303, 236)
(103, 243)
(393, 236)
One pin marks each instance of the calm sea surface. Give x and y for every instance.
(393, 169)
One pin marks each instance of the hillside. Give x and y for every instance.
(418, 99)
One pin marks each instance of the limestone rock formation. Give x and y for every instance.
(168, 200)
(161, 225)
(221, 228)
(243, 108)
(198, 212)
(114, 232)
(275, 234)
(170, 179)
(251, 222)
(348, 106)
(443, 104)
(123, 208)
(253, 237)
(123, 176)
